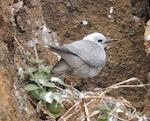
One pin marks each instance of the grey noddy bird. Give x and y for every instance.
(84, 58)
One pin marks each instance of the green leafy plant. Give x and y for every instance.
(42, 87)
(103, 111)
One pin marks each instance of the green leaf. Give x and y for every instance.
(103, 107)
(95, 112)
(31, 70)
(57, 97)
(22, 76)
(49, 84)
(54, 79)
(47, 69)
(103, 118)
(30, 87)
(51, 89)
(57, 114)
(40, 77)
(36, 61)
(37, 94)
(48, 97)
(39, 105)
(55, 108)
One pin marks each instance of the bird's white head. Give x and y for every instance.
(99, 38)
(96, 37)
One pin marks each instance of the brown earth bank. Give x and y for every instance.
(124, 20)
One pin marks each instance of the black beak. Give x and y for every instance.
(111, 40)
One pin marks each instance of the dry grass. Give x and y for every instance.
(83, 104)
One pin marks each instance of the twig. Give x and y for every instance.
(86, 112)
(83, 109)
(143, 84)
(132, 85)
(35, 51)
(35, 104)
(65, 115)
(18, 43)
(65, 118)
(117, 117)
(128, 80)
(118, 85)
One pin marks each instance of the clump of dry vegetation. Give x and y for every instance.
(97, 106)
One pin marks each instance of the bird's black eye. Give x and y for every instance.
(100, 40)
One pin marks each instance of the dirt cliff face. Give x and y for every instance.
(72, 20)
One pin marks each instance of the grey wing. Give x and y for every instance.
(60, 49)
(71, 58)
(61, 67)
(90, 52)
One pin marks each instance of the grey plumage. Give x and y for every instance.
(84, 58)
